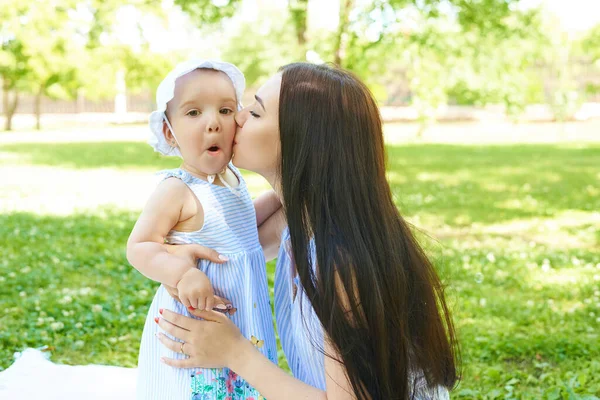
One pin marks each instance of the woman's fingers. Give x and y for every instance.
(169, 343)
(221, 300)
(177, 319)
(183, 363)
(196, 251)
(173, 329)
(210, 303)
(210, 315)
(204, 253)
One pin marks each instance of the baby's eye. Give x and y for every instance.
(193, 113)
(226, 111)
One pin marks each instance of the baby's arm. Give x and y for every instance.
(148, 254)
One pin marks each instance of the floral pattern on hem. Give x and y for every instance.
(228, 386)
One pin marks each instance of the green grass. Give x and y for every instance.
(518, 248)
(120, 155)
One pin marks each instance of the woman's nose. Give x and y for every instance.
(241, 117)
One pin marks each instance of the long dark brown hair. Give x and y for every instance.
(374, 290)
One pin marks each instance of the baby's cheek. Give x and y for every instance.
(230, 127)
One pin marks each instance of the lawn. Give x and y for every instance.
(514, 231)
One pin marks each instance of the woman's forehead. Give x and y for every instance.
(269, 92)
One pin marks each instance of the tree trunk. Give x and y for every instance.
(345, 7)
(38, 110)
(299, 12)
(9, 106)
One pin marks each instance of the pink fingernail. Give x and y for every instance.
(223, 258)
(162, 360)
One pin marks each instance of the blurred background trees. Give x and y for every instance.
(424, 53)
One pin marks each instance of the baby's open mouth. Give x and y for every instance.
(213, 149)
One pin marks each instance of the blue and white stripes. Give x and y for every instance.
(230, 229)
(299, 328)
(301, 332)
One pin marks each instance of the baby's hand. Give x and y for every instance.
(195, 290)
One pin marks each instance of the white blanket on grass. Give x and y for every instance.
(33, 376)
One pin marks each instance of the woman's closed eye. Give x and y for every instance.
(255, 115)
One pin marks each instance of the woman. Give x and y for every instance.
(361, 312)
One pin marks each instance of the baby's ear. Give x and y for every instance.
(167, 132)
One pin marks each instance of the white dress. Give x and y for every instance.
(230, 229)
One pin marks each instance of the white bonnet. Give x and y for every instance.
(166, 91)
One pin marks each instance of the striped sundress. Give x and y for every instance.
(230, 229)
(301, 333)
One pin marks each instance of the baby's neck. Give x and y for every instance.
(225, 174)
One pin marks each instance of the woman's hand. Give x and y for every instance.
(214, 342)
(194, 252)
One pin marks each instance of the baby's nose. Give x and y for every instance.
(214, 128)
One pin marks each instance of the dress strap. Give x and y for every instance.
(178, 173)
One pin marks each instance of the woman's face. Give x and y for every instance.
(256, 146)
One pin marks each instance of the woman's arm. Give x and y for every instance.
(270, 221)
(265, 205)
(269, 234)
(273, 383)
(230, 349)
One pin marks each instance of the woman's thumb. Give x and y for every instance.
(208, 315)
(221, 301)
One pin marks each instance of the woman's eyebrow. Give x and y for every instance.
(260, 102)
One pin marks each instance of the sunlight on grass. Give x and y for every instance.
(256, 183)
(562, 277)
(395, 178)
(525, 203)
(513, 230)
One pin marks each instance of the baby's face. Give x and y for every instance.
(202, 116)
